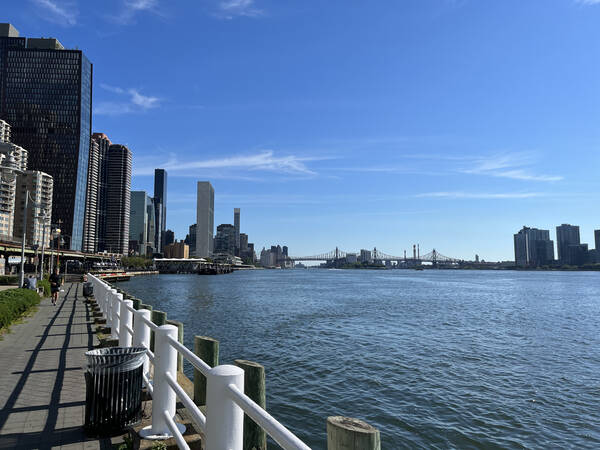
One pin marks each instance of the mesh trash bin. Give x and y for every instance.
(88, 289)
(113, 389)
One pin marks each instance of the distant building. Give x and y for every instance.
(40, 186)
(178, 250)
(351, 258)
(205, 219)
(366, 256)
(533, 247)
(4, 131)
(11, 155)
(169, 237)
(160, 208)
(566, 235)
(273, 257)
(192, 239)
(577, 255)
(141, 223)
(236, 224)
(225, 240)
(251, 253)
(118, 199)
(46, 96)
(95, 238)
(597, 239)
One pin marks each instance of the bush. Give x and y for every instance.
(14, 303)
(8, 279)
(46, 285)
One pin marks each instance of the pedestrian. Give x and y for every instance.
(55, 283)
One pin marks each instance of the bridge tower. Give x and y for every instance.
(434, 257)
(337, 254)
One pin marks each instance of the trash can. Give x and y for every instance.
(88, 289)
(113, 389)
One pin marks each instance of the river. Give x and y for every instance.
(436, 358)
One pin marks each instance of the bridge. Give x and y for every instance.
(433, 257)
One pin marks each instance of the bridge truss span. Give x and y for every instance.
(433, 257)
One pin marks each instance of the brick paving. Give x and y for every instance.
(42, 386)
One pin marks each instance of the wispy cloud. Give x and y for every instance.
(130, 8)
(228, 9)
(516, 166)
(479, 195)
(54, 11)
(588, 2)
(136, 102)
(265, 161)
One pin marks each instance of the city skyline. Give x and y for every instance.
(437, 123)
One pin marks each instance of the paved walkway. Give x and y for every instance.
(42, 386)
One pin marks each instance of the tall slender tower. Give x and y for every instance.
(160, 205)
(205, 219)
(236, 225)
(118, 199)
(46, 96)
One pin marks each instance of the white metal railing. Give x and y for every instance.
(226, 403)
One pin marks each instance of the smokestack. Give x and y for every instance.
(418, 252)
(414, 252)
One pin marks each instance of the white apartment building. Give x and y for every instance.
(40, 186)
(4, 131)
(11, 157)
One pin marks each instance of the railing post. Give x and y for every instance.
(224, 418)
(141, 334)
(117, 300)
(125, 339)
(163, 398)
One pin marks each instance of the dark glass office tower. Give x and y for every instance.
(160, 205)
(118, 198)
(46, 96)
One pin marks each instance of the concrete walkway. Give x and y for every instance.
(42, 386)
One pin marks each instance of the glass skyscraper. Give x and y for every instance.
(46, 96)
(160, 206)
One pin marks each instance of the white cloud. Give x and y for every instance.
(54, 11)
(588, 2)
(136, 103)
(479, 195)
(265, 161)
(516, 166)
(228, 9)
(131, 8)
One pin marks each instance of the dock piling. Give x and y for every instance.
(207, 349)
(254, 387)
(346, 433)
(158, 318)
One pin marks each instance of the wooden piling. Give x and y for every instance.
(207, 349)
(179, 326)
(159, 318)
(254, 387)
(136, 303)
(345, 433)
(144, 306)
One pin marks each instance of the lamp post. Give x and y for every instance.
(55, 235)
(43, 217)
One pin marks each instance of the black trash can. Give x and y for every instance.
(88, 289)
(113, 389)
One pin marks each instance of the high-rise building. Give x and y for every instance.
(160, 206)
(533, 247)
(13, 156)
(236, 224)
(178, 250)
(90, 220)
(192, 239)
(169, 237)
(118, 198)
(566, 235)
(141, 223)
(597, 239)
(40, 186)
(4, 131)
(225, 239)
(46, 96)
(100, 145)
(205, 219)
(243, 245)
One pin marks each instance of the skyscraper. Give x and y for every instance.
(597, 239)
(236, 225)
(118, 199)
(192, 240)
(141, 223)
(566, 235)
(205, 219)
(533, 247)
(100, 143)
(160, 207)
(225, 239)
(46, 96)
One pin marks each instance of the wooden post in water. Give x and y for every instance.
(255, 438)
(179, 326)
(207, 349)
(345, 433)
(144, 306)
(136, 303)
(159, 318)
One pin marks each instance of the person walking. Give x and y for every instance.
(55, 283)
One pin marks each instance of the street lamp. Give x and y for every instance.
(55, 234)
(44, 224)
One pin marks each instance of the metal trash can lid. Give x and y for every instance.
(119, 359)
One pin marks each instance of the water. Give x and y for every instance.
(433, 359)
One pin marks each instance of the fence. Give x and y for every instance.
(226, 403)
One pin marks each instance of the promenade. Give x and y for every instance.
(42, 386)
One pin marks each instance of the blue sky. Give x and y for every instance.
(448, 123)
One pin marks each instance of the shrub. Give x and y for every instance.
(8, 279)
(46, 285)
(14, 303)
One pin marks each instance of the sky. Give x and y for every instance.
(447, 123)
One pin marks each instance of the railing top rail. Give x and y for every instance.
(148, 322)
(284, 437)
(191, 357)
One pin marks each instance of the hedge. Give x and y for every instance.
(8, 279)
(14, 303)
(46, 285)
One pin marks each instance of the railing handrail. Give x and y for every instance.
(285, 438)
